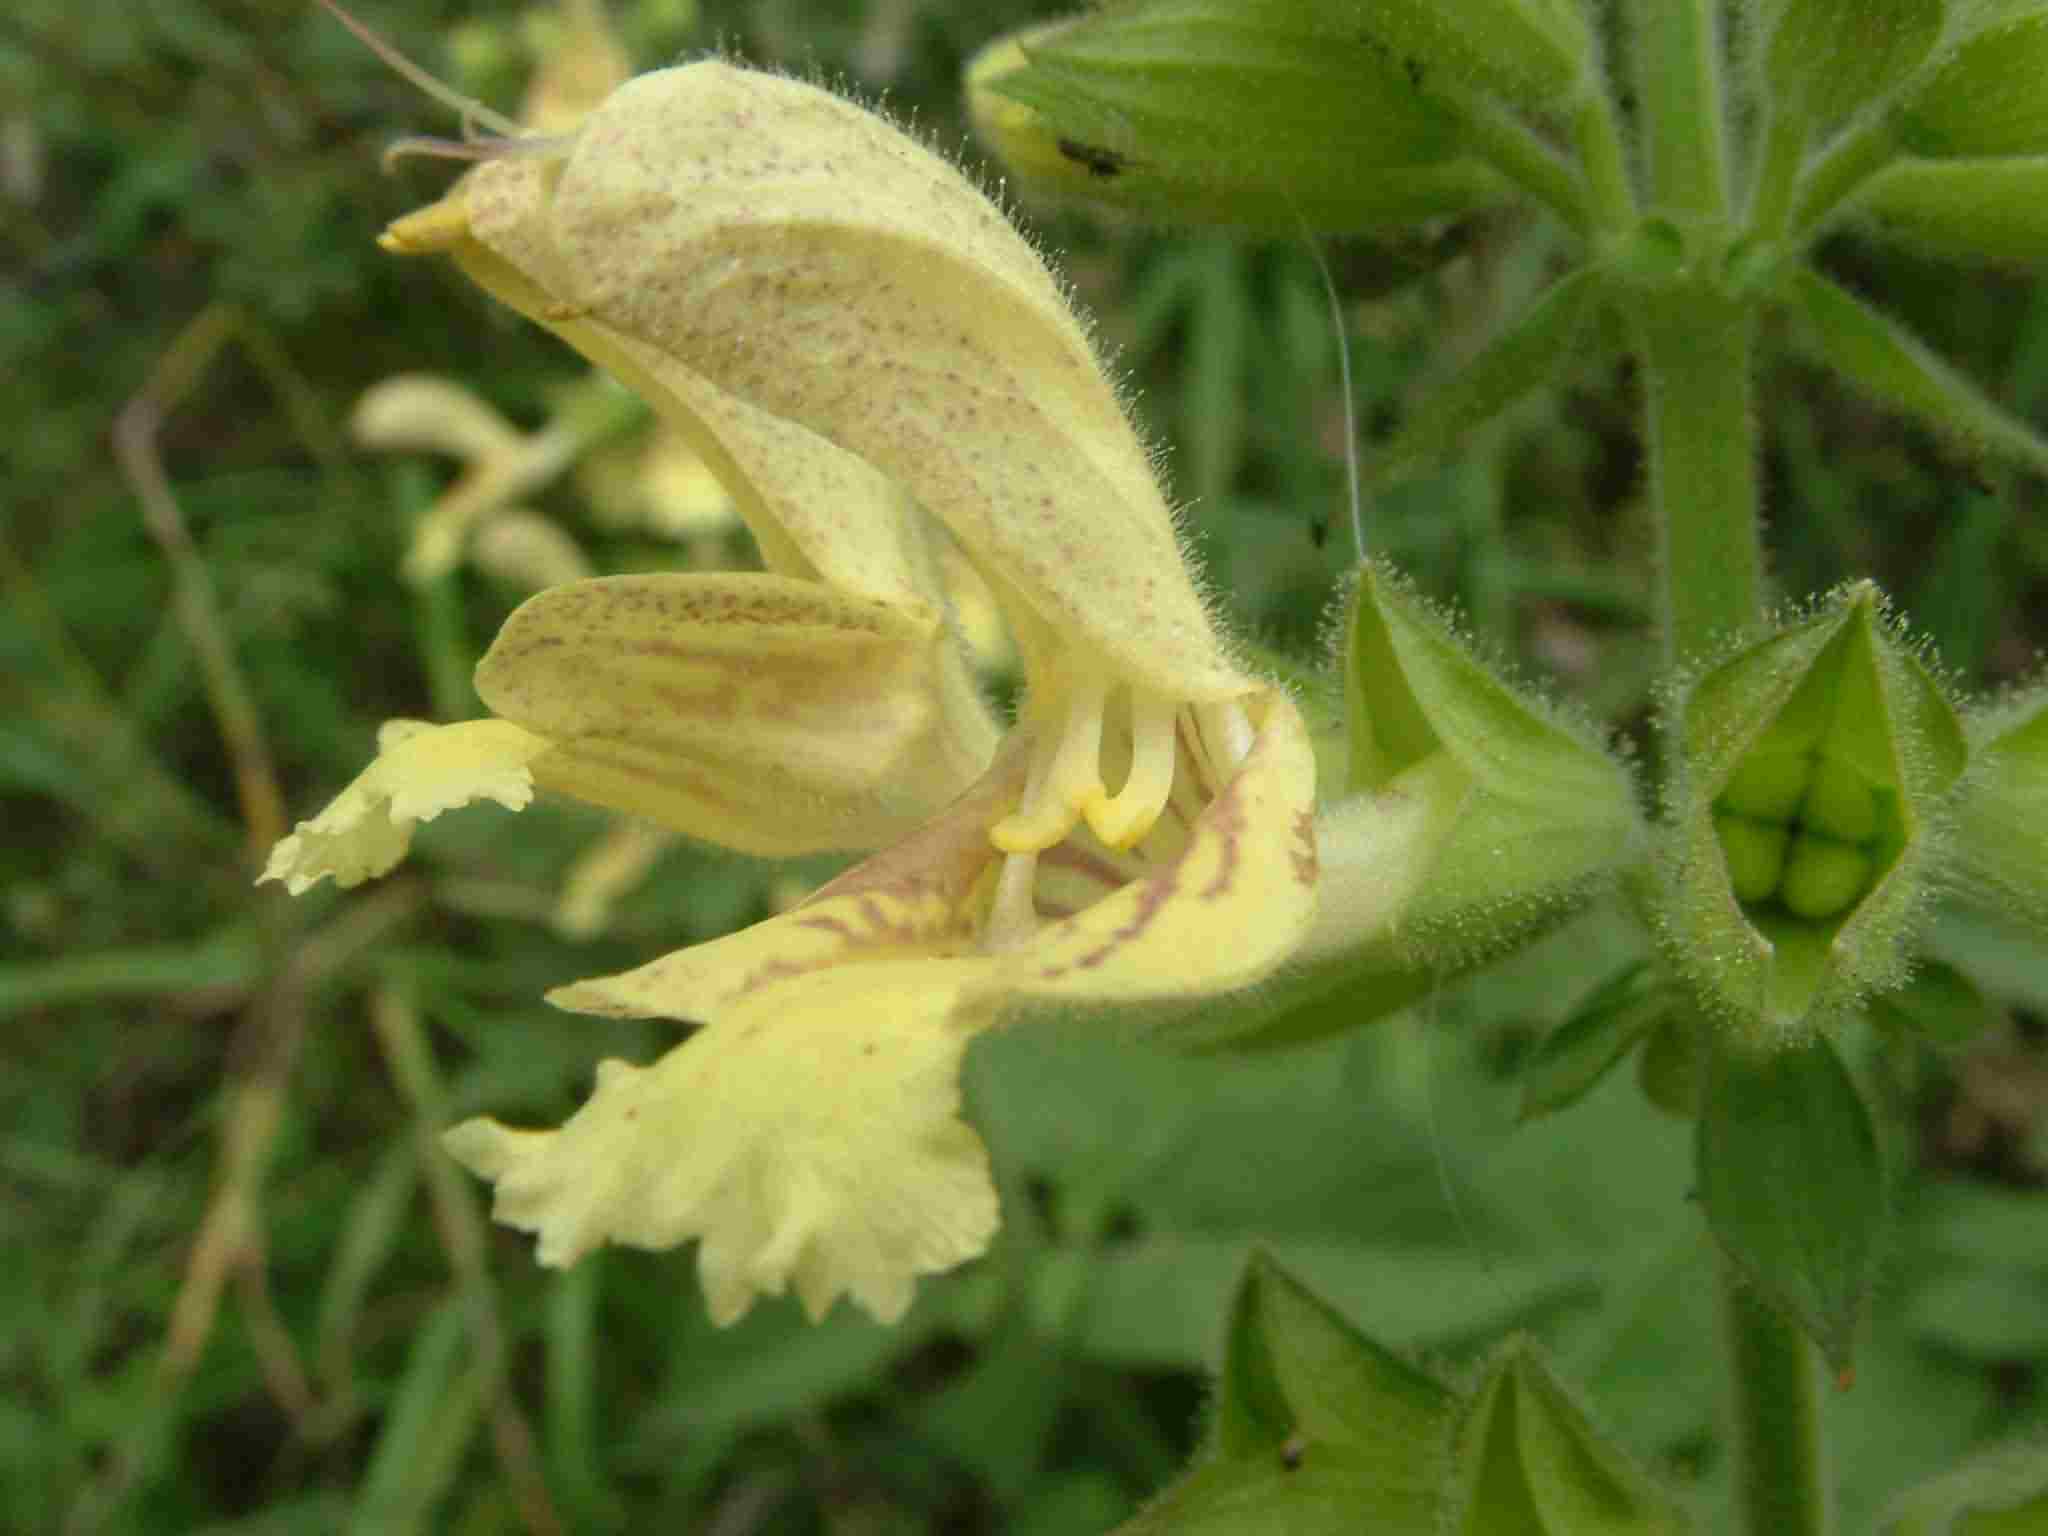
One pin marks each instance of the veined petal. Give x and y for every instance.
(421, 770)
(764, 713)
(920, 897)
(1221, 914)
(810, 1136)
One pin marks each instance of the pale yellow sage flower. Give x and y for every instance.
(839, 322)
(423, 413)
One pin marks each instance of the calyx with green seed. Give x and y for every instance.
(1518, 812)
(1807, 801)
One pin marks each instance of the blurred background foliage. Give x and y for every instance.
(243, 1291)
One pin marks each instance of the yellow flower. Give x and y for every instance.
(808, 1133)
(422, 413)
(662, 486)
(851, 337)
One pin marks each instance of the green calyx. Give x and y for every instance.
(1314, 1428)
(1810, 791)
(1256, 114)
(1475, 817)
(2001, 831)
(1531, 1459)
(1527, 810)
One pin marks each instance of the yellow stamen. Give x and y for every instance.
(1122, 819)
(1053, 801)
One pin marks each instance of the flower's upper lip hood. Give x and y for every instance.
(836, 274)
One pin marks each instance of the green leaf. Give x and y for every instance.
(768, 1366)
(368, 1237)
(426, 1432)
(229, 960)
(1670, 1065)
(1985, 97)
(573, 1412)
(1532, 1461)
(1529, 354)
(995, 1418)
(1793, 1184)
(1826, 58)
(1984, 1224)
(1293, 1369)
(1277, 1495)
(1967, 210)
(1152, 1303)
(1315, 1428)
(2003, 1492)
(1575, 1056)
(1940, 1004)
(1888, 363)
(1244, 113)
(1991, 1315)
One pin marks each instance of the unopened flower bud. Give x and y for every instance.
(1255, 115)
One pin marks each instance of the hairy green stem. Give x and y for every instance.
(1849, 162)
(1777, 175)
(1695, 341)
(1599, 144)
(1520, 155)
(1774, 1418)
(1679, 73)
(1695, 345)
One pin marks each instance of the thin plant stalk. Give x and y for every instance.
(1774, 1417)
